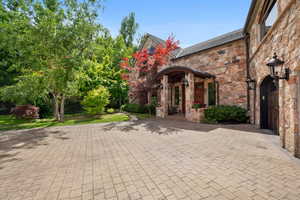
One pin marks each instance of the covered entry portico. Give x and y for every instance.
(185, 91)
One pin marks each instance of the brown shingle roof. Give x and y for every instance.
(217, 41)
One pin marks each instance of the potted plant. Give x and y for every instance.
(197, 105)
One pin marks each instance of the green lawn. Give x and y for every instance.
(8, 122)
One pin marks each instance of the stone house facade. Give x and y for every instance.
(219, 72)
(275, 108)
(215, 72)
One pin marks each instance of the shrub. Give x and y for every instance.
(26, 112)
(151, 108)
(73, 105)
(96, 100)
(223, 113)
(110, 110)
(134, 108)
(45, 109)
(198, 106)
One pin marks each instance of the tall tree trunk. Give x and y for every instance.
(62, 108)
(56, 107)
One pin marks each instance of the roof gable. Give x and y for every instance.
(148, 38)
(217, 41)
(179, 53)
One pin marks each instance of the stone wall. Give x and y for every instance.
(284, 39)
(228, 64)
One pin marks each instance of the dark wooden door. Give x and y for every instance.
(273, 111)
(269, 105)
(199, 93)
(183, 99)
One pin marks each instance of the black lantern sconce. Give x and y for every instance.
(251, 83)
(159, 86)
(276, 68)
(185, 82)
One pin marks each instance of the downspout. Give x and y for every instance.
(297, 137)
(247, 69)
(247, 42)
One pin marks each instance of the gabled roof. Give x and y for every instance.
(217, 41)
(155, 39)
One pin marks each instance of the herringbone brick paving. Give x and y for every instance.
(145, 160)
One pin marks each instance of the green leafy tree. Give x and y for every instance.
(104, 69)
(56, 38)
(13, 23)
(128, 29)
(96, 100)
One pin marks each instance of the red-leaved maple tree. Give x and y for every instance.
(147, 62)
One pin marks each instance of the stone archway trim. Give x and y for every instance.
(171, 69)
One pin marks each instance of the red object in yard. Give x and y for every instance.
(26, 112)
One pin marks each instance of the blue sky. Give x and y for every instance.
(191, 21)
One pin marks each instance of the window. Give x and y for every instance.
(151, 50)
(211, 94)
(269, 16)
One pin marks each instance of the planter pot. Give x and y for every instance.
(195, 115)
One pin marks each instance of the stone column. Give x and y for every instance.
(189, 95)
(164, 96)
(206, 91)
(149, 97)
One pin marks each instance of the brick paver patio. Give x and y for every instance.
(146, 160)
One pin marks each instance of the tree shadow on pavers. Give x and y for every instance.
(12, 141)
(202, 127)
(167, 126)
(8, 157)
(124, 127)
(138, 125)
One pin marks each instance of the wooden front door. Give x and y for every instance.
(183, 99)
(273, 110)
(269, 105)
(199, 93)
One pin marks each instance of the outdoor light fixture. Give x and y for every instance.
(185, 82)
(159, 86)
(251, 83)
(276, 71)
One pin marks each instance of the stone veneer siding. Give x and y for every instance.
(283, 38)
(228, 64)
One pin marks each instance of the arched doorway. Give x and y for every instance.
(269, 105)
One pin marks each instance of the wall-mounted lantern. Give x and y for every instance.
(159, 86)
(277, 71)
(185, 82)
(251, 83)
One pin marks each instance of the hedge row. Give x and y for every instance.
(137, 108)
(225, 114)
